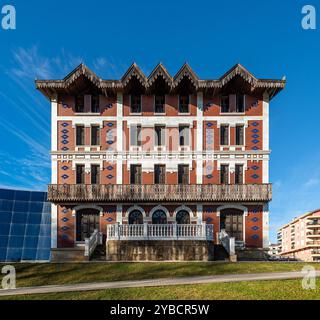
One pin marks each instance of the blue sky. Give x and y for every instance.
(266, 37)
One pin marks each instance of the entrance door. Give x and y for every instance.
(232, 221)
(87, 222)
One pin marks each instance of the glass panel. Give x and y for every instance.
(19, 217)
(183, 217)
(22, 196)
(135, 104)
(135, 217)
(95, 107)
(159, 104)
(159, 217)
(183, 104)
(6, 205)
(36, 207)
(4, 229)
(24, 226)
(7, 194)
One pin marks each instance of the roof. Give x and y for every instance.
(51, 87)
(298, 218)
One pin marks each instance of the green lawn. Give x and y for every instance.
(256, 290)
(31, 274)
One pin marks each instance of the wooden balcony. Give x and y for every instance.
(151, 193)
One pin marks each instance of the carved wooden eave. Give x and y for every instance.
(50, 88)
(82, 70)
(238, 70)
(160, 71)
(134, 71)
(187, 72)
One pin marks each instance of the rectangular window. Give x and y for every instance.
(79, 135)
(240, 103)
(183, 104)
(95, 135)
(224, 135)
(238, 174)
(183, 174)
(159, 104)
(225, 106)
(135, 104)
(224, 174)
(184, 135)
(239, 135)
(79, 103)
(135, 174)
(135, 135)
(80, 174)
(159, 174)
(95, 174)
(159, 135)
(95, 106)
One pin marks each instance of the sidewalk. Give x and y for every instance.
(154, 283)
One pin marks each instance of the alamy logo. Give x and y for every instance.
(309, 19)
(8, 21)
(309, 278)
(9, 280)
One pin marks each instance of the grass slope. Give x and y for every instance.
(31, 274)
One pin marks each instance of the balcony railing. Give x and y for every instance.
(166, 192)
(160, 232)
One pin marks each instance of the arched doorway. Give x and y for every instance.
(135, 217)
(87, 221)
(159, 217)
(231, 220)
(183, 217)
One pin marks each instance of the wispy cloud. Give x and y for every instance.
(29, 63)
(312, 182)
(30, 172)
(109, 68)
(26, 114)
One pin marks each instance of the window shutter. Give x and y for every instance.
(133, 135)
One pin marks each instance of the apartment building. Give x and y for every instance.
(300, 239)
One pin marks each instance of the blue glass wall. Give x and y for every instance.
(25, 226)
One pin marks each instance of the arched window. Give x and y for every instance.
(159, 217)
(135, 217)
(183, 217)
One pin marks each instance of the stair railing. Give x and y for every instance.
(227, 242)
(91, 243)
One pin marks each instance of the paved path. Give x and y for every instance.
(154, 283)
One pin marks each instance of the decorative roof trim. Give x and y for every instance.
(186, 71)
(238, 70)
(82, 70)
(134, 71)
(158, 71)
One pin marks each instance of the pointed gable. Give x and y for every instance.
(160, 71)
(81, 70)
(134, 71)
(238, 70)
(186, 72)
